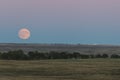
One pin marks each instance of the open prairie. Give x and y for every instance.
(85, 69)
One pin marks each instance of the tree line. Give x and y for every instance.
(35, 55)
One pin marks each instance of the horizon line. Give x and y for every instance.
(61, 43)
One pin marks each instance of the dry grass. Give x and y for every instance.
(87, 69)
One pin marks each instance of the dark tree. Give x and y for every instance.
(54, 55)
(14, 55)
(98, 56)
(105, 56)
(64, 55)
(36, 55)
(84, 56)
(76, 55)
(115, 56)
(92, 56)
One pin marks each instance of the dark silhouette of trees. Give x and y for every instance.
(0, 55)
(101, 56)
(98, 56)
(105, 56)
(54, 55)
(65, 55)
(35, 55)
(60, 55)
(76, 55)
(84, 56)
(115, 56)
(92, 56)
(14, 55)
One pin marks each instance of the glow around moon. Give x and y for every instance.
(24, 33)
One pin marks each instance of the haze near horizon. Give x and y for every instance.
(61, 21)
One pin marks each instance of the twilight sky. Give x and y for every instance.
(61, 21)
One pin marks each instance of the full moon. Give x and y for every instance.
(24, 33)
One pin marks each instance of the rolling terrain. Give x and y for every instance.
(61, 69)
(83, 49)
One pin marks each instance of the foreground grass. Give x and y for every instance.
(86, 69)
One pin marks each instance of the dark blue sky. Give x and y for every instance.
(63, 21)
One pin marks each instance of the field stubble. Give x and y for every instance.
(85, 69)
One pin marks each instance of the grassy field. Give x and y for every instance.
(86, 69)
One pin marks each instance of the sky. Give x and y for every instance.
(61, 21)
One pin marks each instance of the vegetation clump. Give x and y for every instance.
(35, 55)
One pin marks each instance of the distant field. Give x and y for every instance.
(81, 48)
(85, 69)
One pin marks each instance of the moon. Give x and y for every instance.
(24, 33)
